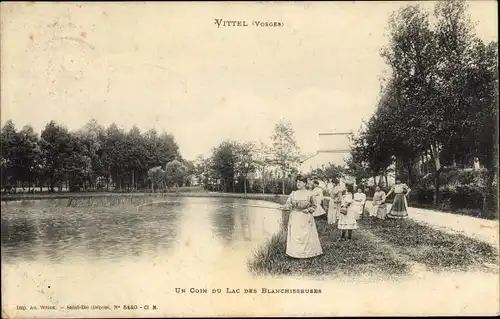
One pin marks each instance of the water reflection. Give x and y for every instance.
(89, 233)
(192, 229)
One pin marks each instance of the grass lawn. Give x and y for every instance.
(355, 257)
(380, 248)
(435, 249)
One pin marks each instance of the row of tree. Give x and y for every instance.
(98, 158)
(439, 104)
(91, 158)
(275, 164)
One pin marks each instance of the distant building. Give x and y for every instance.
(334, 149)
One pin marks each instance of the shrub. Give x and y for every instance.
(466, 196)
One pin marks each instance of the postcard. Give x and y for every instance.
(222, 159)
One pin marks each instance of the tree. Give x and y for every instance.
(175, 173)
(93, 139)
(420, 122)
(114, 155)
(262, 159)
(28, 157)
(483, 102)
(78, 163)
(56, 146)
(224, 162)
(157, 177)
(136, 155)
(284, 148)
(357, 163)
(190, 171)
(244, 161)
(9, 146)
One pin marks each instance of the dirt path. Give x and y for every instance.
(478, 228)
(416, 268)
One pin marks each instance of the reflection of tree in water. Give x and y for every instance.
(232, 223)
(19, 238)
(110, 232)
(223, 222)
(242, 224)
(134, 231)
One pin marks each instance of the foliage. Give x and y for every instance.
(284, 148)
(89, 158)
(328, 172)
(175, 173)
(252, 166)
(157, 177)
(439, 103)
(224, 163)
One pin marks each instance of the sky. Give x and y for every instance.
(169, 67)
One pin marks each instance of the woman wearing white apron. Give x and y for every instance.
(302, 237)
(318, 193)
(379, 208)
(359, 203)
(334, 204)
(347, 220)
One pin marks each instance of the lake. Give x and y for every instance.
(75, 250)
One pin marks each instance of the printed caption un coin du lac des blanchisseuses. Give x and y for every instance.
(244, 23)
(247, 291)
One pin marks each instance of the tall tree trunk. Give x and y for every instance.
(133, 180)
(437, 173)
(245, 186)
(490, 203)
(263, 181)
(409, 172)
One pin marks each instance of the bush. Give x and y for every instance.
(421, 195)
(452, 197)
(466, 196)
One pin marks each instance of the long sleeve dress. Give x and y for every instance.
(359, 203)
(302, 238)
(399, 208)
(318, 192)
(348, 221)
(379, 208)
(334, 204)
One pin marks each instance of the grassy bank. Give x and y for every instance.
(355, 257)
(435, 249)
(380, 248)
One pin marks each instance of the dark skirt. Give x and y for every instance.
(398, 209)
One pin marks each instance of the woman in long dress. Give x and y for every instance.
(347, 219)
(399, 208)
(359, 203)
(334, 204)
(379, 208)
(318, 193)
(302, 238)
(330, 186)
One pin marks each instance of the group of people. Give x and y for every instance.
(344, 209)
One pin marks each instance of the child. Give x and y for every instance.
(348, 213)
